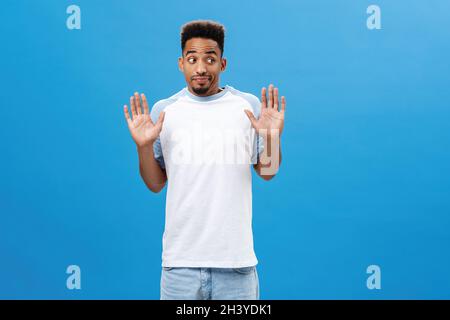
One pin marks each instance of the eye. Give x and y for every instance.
(191, 59)
(211, 60)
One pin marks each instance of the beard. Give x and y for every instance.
(201, 90)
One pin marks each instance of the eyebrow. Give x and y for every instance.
(207, 52)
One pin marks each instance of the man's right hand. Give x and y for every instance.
(143, 131)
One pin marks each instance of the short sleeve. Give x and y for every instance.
(157, 151)
(259, 143)
(157, 148)
(258, 140)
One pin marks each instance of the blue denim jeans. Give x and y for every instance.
(209, 283)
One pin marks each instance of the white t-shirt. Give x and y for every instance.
(207, 147)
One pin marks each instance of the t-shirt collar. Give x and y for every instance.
(207, 98)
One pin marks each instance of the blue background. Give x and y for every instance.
(366, 149)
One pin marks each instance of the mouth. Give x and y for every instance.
(201, 80)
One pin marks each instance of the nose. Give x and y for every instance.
(201, 68)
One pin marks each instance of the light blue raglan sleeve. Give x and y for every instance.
(258, 141)
(157, 150)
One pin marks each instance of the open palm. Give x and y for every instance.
(143, 131)
(270, 118)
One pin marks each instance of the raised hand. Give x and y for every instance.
(143, 131)
(270, 118)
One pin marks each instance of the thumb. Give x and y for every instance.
(160, 120)
(251, 117)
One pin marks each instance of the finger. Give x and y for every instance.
(127, 115)
(283, 104)
(276, 102)
(263, 98)
(251, 117)
(138, 103)
(145, 103)
(133, 107)
(160, 119)
(270, 96)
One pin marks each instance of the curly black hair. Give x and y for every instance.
(203, 29)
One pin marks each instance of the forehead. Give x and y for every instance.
(201, 45)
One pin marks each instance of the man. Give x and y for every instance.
(196, 140)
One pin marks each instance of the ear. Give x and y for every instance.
(223, 63)
(180, 64)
